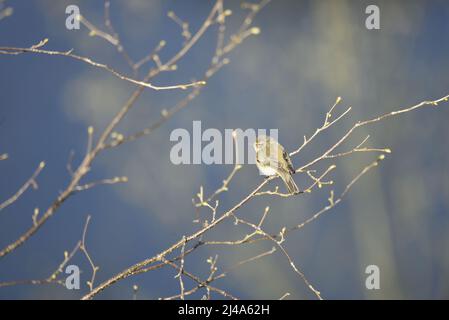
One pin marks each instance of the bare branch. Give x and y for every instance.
(230, 213)
(217, 62)
(100, 182)
(53, 278)
(223, 188)
(259, 230)
(84, 167)
(328, 152)
(83, 248)
(16, 51)
(184, 25)
(68, 256)
(181, 270)
(30, 182)
(285, 295)
(198, 280)
(333, 202)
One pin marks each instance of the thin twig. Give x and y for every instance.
(100, 182)
(83, 249)
(84, 167)
(131, 270)
(181, 270)
(259, 230)
(30, 182)
(198, 280)
(17, 51)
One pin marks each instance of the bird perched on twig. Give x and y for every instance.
(272, 159)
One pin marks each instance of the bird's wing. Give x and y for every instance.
(288, 161)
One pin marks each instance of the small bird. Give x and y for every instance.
(272, 159)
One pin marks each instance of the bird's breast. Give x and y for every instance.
(266, 170)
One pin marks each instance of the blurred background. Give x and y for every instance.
(308, 53)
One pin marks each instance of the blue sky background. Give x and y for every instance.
(308, 53)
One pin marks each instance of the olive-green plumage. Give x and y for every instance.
(272, 159)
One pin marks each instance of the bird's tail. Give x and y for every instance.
(290, 183)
